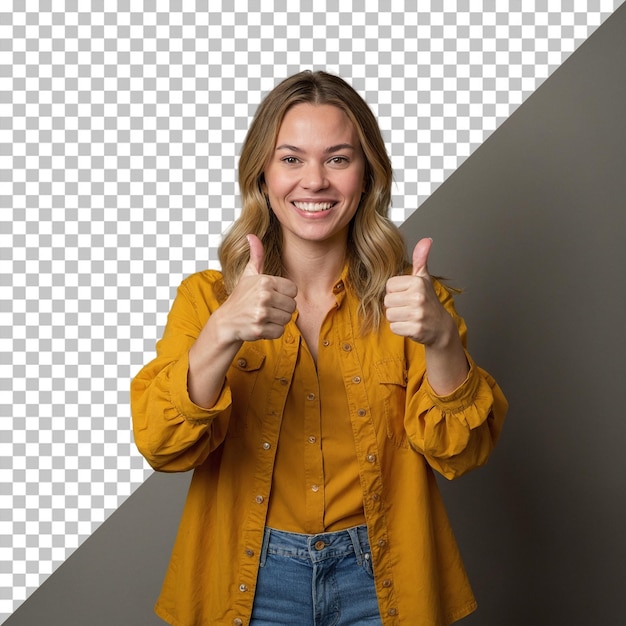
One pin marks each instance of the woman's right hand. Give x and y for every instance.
(260, 305)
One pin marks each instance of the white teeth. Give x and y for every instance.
(313, 207)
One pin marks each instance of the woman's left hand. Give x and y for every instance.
(412, 306)
(414, 310)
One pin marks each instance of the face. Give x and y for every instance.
(315, 176)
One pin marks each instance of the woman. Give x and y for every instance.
(313, 386)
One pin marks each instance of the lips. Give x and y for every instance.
(313, 207)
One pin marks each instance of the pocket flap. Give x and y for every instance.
(392, 372)
(248, 359)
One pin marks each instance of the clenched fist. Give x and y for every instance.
(412, 306)
(260, 305)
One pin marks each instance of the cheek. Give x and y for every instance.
(355, 185)
(275, 185)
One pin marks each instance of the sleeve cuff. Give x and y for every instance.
(463, 397)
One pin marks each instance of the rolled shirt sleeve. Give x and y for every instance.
(458, 431)
(170, 431)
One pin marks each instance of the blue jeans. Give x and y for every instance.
(316, 580)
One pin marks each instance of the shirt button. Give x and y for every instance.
(386, 583)
(289, 338)
(267, 446)
(375, 497)
(326, 343)
(310, 396)
(242, 363)
(237, 622)
(249, 552)
(319, 545)
(356, 380)
(371, 458)
(346, 347)
(243, 587)
(392, 612)
(382, 543)
(283, 381)
(259, 499)
(339, 286)
(312, 439)
(315, 488)
(361, 412)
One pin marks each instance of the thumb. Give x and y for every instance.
(255, 264)
(420, 257)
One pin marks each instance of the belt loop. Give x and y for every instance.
(358, 549)
(264, 547)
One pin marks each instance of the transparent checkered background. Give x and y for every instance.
(119, 136)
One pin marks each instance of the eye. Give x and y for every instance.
(290, 160)
(339, 160)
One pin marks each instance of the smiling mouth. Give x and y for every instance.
(314, 207)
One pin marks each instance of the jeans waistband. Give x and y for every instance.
(315, 548)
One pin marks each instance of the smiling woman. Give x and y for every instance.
(313, 386)
(375, 248)
(313, 184)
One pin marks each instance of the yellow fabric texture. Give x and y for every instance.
(359, 439)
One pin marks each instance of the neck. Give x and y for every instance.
(314, 268)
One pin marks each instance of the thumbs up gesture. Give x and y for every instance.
(412, 306)
(260, 305)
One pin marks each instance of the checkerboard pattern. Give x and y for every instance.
(120, 127)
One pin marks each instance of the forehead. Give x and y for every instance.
(315, 123)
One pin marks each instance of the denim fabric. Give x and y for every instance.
(316, 580)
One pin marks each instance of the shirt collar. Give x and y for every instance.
(339, 289)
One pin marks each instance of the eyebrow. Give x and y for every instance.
(329, 150)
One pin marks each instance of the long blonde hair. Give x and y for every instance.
(376, 250)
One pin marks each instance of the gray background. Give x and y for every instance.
(531, 226)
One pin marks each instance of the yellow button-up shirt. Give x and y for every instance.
(315, 485)
(398, 428)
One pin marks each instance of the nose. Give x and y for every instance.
(314, 177)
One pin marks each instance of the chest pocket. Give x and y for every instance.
(392, 378)
(242, 377)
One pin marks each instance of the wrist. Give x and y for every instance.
(220, 333)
